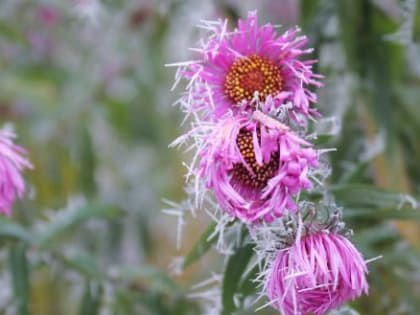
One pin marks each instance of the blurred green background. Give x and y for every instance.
(84, 84)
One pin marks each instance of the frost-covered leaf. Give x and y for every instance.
(13, 230)
(345, 310)
(359, 196)
(91, 299)
(66, 220)
(151, 276)
(403, 214)
(83, 263)
(205, 242)
(19, 270)
(235, 267)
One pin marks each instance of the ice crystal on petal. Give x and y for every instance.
(232, 67)
(319, 272)
(255, 168)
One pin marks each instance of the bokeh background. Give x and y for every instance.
(83, 83)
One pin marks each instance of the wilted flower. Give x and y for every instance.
(12, 163)
(239, 70)
(255, 166)
(319, 272)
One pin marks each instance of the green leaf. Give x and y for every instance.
(376, 234)
(10, 32)
(409, 94)
(394, 214)
(314, 14)
(20, 277)
(91, 299)
(13, 85)
(247, 285)
(360, 196)
(154, 278)
(68, 220)
(368, 240)
(87, 163)
(308, 8)
(345, 310)
(83, 263)
(235, 267)
(123, 304)
(201, 247)
(13, 230)
(355, 174)
(322, 139)
(366, 201)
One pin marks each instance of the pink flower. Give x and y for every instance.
(319, 272)
(255, 166)
(12, 163)
(48, 15)
(233, 67)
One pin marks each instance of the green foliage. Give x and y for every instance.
(91, 299)
(13, 230)
(68, 220)
(20, 277)
(207, 239)
(235, 268)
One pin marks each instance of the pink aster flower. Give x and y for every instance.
(48, 15)
(255, 166)
(319, 272)
(12, 163)
(238, 70)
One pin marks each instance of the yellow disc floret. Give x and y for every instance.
(252, 74)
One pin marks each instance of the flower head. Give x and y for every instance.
(12, 163)
(319, 272)
(240, 70)
(256, 166)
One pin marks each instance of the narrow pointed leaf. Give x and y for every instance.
(66, 223)
(82, 263)
(13, 230)
(201, 247)
(235, 267)
(359, 195)
(19, 271)
(91, 299)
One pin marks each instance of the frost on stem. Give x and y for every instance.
(226, 229)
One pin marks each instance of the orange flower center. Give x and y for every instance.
(251, 74)
(262, 173)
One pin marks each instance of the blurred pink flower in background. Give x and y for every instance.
(12, 163)
(285, 11)
(48, 15)
(41, 43)
(319, 272)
